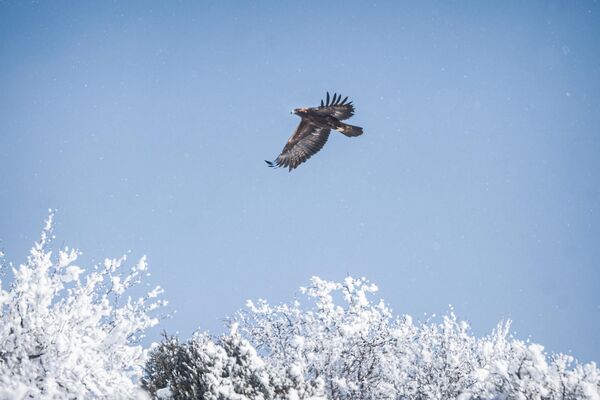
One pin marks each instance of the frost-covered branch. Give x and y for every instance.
(60, 334)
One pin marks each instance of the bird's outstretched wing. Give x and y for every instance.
(303, 144)
(335, 107)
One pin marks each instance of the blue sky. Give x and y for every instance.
(476, 183)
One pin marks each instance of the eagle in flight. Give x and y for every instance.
(313, 131)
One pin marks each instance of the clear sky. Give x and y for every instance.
(476, 183)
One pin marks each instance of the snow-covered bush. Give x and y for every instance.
(70, 334)
(362, 352)
(217, 369)
(344, 346)
(350, 347)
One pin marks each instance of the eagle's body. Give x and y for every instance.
(313, 131)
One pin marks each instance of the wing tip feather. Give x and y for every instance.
(272, 164)
(336, 100)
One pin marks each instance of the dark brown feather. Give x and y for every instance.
(338, 110)
(306, 141)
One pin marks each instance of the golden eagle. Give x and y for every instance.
(313, 131)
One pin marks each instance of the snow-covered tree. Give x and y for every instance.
(67, 333)
(343, 346)
(349, 347)
(360, 351)
(224, 368)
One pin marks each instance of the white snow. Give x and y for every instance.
(63, 336)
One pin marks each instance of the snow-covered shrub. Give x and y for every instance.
(343, 346)
(350, 347)
(217, 369)
(70, 334)
(358, 350)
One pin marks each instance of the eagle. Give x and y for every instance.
(313, 131)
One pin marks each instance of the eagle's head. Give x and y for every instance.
(300, 111)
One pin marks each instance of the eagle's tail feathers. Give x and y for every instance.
(350, 130)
